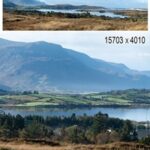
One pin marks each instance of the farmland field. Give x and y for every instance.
(113, 98)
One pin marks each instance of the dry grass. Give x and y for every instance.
(114, 146)
(36, 22)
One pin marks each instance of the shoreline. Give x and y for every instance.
(81, 106)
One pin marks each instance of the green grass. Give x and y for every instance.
(117, 100)
(127, 97)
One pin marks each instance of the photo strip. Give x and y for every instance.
(75, 15)
(74, 75)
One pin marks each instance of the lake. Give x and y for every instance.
(74, 11)
(136, 114)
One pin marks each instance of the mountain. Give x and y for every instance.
(26, 2)
(147, 73)
(7, 43)
(4, 88)
(8, 4)
(50, 67)
(41, 5)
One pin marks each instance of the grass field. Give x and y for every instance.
(119, 98)
(18, 21)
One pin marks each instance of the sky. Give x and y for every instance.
(135, 56)
(104, 3)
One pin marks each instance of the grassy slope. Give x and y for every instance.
(120, 98)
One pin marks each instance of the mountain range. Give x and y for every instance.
(50, 67)
(41, 5)
(22, 2)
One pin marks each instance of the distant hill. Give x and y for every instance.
(4, 88)
(39, 4)
(3, 92)
(26, 2)
(8, 4)
(49, 67)
(7, 43)
(146, 73)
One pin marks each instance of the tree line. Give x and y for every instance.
(98, 129)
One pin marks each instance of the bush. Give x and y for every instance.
(146, 140)
(75, 134)
(35, 131)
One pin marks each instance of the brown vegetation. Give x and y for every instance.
(16, 21)
(113, 146)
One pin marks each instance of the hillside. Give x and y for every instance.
(25, 2)
(3, 88)
(8, 4)
(38, 4)
(44, 66)
(130, 97)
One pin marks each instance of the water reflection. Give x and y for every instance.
(137, 114)
(93, 13)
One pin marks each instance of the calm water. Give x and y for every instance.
(93, 13)
(137, 114)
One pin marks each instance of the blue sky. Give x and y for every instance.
(105, 3)
(135, 56)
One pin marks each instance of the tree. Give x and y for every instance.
(146, 140)
(34, 131)
(19, 122)
(35, 92)
(100, 123)
(127, 131)
(75, 134)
